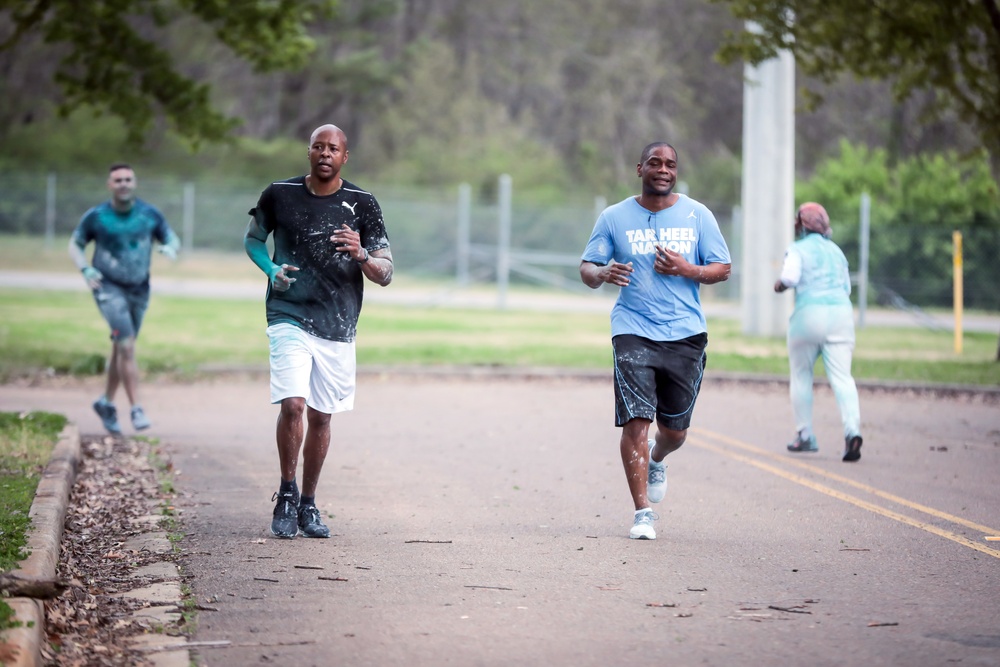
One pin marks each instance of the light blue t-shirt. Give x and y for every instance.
(654, 306)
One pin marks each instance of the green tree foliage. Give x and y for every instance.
(915, 206)
(950, 47)
(110, 57)
(561, 94)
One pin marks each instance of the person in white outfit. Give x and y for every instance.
(822, 323)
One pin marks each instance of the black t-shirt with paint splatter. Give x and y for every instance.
(325, 299)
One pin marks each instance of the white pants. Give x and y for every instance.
(826, 331)
(318, 370)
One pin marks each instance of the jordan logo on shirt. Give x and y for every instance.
(348, 206)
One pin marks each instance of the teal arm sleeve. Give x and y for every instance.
(254, 242)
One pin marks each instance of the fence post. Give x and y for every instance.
(50, 210)
(600, 203)
(464, 226)
(865, 213)
(958, 296)
(188, 217)
(503, 239)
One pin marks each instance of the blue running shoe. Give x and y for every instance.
(109, 415)
(140, 421)
(310, 522)
(285, 523)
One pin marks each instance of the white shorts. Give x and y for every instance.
(318, 370)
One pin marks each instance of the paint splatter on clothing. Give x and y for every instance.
(654, 306)
(123, 242)
(325, 299)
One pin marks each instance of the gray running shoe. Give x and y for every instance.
(803, 444)
(310, 523)
(643, 529)
(109, 416)
(285, 523)
(656, 483)
(140, 421)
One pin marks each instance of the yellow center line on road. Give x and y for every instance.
(882, 511)
(847, 480)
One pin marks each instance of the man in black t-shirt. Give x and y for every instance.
(329, 236)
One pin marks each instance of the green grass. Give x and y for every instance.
(892, 354)
(63, 331)
(26, 442)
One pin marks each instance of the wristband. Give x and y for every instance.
(365, 260)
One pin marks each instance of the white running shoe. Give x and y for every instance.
(643, 529)
(656, 483)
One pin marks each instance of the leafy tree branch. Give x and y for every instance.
(109, 58)
(951, 48)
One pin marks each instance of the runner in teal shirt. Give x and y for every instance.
(123, 230)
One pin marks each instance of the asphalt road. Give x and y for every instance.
(484, 522)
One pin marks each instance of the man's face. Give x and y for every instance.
(659, 172)
(327, 154)
(121, 183)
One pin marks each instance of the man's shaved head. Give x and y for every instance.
(327, 128)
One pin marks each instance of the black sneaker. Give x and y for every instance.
(852, 448)
(310, 523)
(285, 521)
(109, 416)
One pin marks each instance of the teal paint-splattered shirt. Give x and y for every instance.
(123, 242)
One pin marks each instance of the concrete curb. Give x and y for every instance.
(48, 514)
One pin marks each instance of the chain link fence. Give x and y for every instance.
(907, 264)
(423, 223)
(914, 265)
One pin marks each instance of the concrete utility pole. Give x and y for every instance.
(768, 191)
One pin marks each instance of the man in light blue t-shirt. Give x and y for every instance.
(659, 247)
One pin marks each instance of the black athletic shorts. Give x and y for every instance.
(658, 380)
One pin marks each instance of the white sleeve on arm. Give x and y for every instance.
(791, 269)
